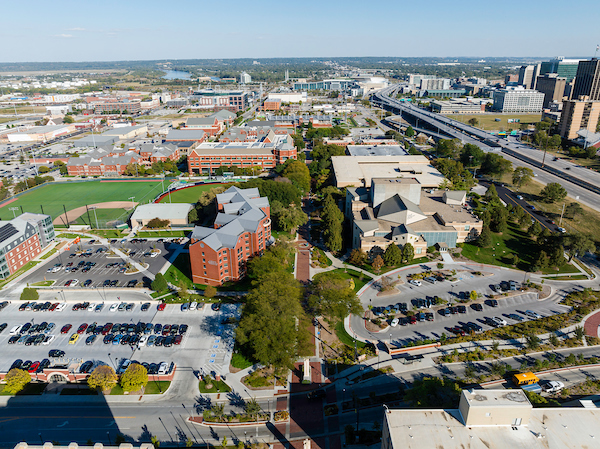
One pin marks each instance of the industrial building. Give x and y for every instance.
(176, 213)
(457, 107)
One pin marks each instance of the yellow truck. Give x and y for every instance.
(525, 379)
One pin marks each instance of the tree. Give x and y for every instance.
(491, 193)
(522, 176)
(473, 295)
(357, 257)
(272, 308)
(541, 262)
(535, 229)
(495, 165)
(16, 379)
(377, 263)
(134, 378)
(252, 408)
(159, 284)
(157, 223)
(68, 119)
(218, 411)
(332, 224)
(485, 238)
(43, 169)
(183, 292)
(392, 255)
(410, 132)
(29, 294)
(553, 192)
(103, 378)
(459, 177)
(408, 253)
(448, 148)
(210, 291)
(333, 297)
(471, 155)
(572, 210)
(532, 341)
(286, 218)
(578, 245)
(473, 122)
(297, 172)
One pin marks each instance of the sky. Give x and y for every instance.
(109, 30)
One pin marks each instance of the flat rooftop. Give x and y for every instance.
(434, 202)
(549, 428)
(376, 150)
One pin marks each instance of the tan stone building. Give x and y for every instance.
(577, 115)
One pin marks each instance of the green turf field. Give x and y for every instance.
(190, 195)
(488, 121)
(52, 197)
(103, 215)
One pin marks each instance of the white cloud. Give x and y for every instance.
(64, 36)
(76, 29)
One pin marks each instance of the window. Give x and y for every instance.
(467, 227)
(418, 250)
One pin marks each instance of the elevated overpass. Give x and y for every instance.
(567, 171)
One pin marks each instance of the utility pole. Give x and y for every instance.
(132, 203)
(561, 214)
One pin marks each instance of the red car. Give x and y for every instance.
(161, 306)
(412, 319)
(82, 328)
(106, 329)
(66, 328)
(34, 367)
(177, 340)
(166, 329)
(53, 307)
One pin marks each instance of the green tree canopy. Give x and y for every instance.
(495, 165)
(333, 297)
(159, 284)
(471, 155)
(392, 255)
(485, 238)
(286, 218)
(578, 245)
(573, 209)
(522, 176)
(297, 172)
(553, 192)
(332, 219)
(357, 257)
(408, 253)
(410, 132)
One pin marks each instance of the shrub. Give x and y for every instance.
(16, 379)
(134, 378)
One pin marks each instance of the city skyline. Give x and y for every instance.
(72, 32)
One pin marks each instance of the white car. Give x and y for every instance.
(519, 197)
(74, 283)
(15, 330)
(154, 254)
(49, 339)
(143, 341)
(91, 307)
(163, 367)
(553, 386)
(61, 306)
(415, 282)
(563, 230)
(114, 307)
(500, 321)
(124, 365)
(394, 322)
(193, 305)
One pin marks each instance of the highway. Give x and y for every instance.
(581, 183)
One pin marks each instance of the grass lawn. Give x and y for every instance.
(190, 195)
(345, 338)
(103, 215)
(385, 269)
(488, 122)
(282, 234)
(587, 223)
(142, 234)
(67, 235)
(157, 387)
(30, 389)
(578, 277)
(107, 233)
(53, 196)
(239, 361)
(42, 284)
(217, 387)
(49, 253)
(360, 279)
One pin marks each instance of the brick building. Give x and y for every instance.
(266, 154)
(242, 229)
(130, 107)
(22, 239)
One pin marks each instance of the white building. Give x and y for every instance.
(435, 84)
(245, 78)
(518, 100)
(289, 97)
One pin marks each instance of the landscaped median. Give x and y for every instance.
(209, 418)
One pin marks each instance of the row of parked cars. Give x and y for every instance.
(42, 306)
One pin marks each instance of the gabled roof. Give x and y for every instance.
(395, 204)
(367, 225)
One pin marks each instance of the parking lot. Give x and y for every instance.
(100, 273)
(206, 346)
(444, 318)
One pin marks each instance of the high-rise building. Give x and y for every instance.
(587, 82)
(552, 86)
(528, 75)
(577, 115)
(245, 78)
(565, 68)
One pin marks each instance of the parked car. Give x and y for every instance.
(415, 282)
(533, 315)
(73, 339)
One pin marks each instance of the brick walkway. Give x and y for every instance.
(303, 264)
(591, 325)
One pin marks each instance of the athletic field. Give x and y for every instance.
(190, 195)
(52, 197)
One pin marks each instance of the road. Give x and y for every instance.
(569, 174)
